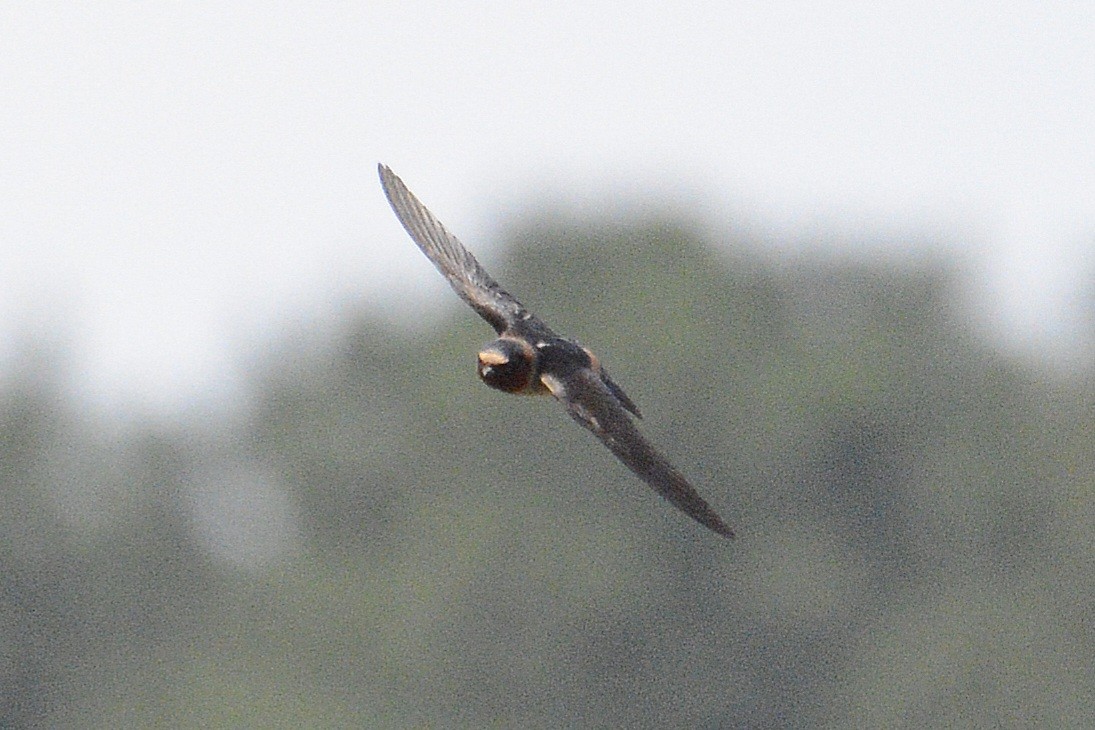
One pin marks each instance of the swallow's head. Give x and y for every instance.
(509, 365)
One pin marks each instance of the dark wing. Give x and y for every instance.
(619, 394)
(470, 280)
(589, 402)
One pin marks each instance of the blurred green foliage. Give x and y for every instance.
(377, 540)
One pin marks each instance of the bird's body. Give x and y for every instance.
(528, 358)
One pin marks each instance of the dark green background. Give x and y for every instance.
(915, 514)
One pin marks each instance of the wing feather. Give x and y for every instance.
(466, 276)
(589, 402)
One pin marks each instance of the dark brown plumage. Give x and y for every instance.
(529, 358)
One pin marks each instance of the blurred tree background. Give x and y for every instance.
(376, 539)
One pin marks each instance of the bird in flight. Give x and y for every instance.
(529, 358)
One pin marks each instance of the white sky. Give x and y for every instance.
(179, 181)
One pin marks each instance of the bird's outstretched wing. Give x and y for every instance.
(589, 402)
(470, 280)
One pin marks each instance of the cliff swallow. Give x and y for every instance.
(529, 358)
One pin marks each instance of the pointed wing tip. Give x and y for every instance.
(385, 173)
(714, 523)
(709, 519)
(725, 532)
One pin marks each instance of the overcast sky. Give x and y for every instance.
(181, 180)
